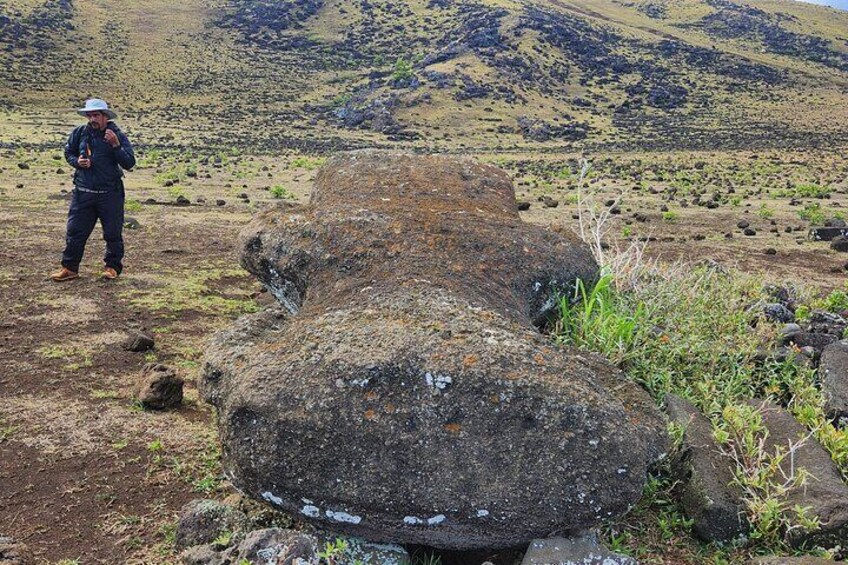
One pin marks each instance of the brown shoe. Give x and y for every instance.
(109, 273)
(64, 274)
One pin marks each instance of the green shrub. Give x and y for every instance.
(402, 71)
(308, 163)
(670, 216)
(765, 212)
(689, 332)
(279, 191)
(813, 213)
(132, 205)
(810, 190)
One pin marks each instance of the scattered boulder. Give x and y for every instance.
(159, 388)
(585, 549)
(777, 312)
(839, 243)
(138, 342)
(273, 545)
(827, 233)
(827, 323)
(202, 521)
(818, 341)
(833, 371)
(705, 477)
(824, 494)
(380, 398)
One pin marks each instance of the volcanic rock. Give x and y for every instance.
(823, 494)
(403, 392)
(833, 370)
(583, 549)
(159, 387)
(705, 477)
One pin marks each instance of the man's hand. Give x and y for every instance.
(84, 162)
(111, 138)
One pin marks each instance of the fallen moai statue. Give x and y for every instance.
(402, 392)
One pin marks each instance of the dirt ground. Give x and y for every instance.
(86, 475)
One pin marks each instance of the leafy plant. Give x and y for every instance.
(670, 216)
(402, 70)
(813, 213)
(132, 205)
(333, 552)
(761, 475)
(279, 191)
(591, 319)
(811, 190)
(308, 163)
(765, 212)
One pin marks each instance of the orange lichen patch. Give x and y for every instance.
(495, 399)
(390, 408)
(369, 415)
(539, 359)
(453, 428)
(469, 361)
(370, 395)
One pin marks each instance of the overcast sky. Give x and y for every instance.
(842, 4)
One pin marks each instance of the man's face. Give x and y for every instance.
(97, 120)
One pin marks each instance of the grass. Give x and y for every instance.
(689, 332)
(177, 294)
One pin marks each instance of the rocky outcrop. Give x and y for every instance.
(824, 495)
(833, 370)
(402, 391)
(705, 477)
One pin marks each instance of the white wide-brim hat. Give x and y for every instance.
(97, 105)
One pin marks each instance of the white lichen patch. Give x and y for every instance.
(440, 382)
(343, 517)
(436, 520)
(482, 513)
(412, 521)
(272, 499)
(311, 511)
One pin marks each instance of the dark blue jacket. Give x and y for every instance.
(106, 162)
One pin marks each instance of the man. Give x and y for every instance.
(97, 151)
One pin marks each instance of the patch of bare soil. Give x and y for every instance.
(85, 473)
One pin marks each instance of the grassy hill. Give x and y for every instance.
(441, 74)
(492, 75)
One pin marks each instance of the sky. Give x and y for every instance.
(841, 4)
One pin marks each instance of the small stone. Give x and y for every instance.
(750, 231)
(523, 206)
(131, 223)
(770, 251)
(138, 342)
(201, 521)
(583, 549)
(839, 243)
(742, 224)
(159, 388)
(220, 202)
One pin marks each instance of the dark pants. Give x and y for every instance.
(86, 209)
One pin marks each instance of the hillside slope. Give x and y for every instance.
(436, 74)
